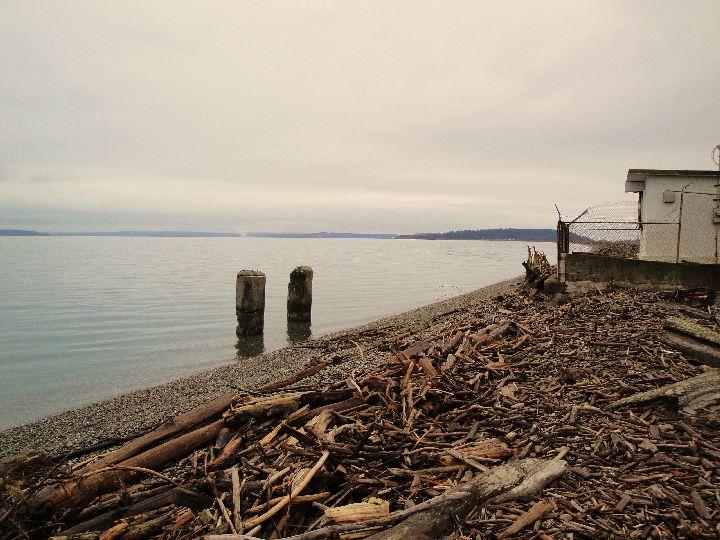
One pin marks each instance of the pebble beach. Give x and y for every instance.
(134, 413)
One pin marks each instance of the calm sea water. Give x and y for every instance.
(84, 318)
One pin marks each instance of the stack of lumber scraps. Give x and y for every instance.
(535, 420)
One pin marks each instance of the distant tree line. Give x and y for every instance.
(21, 232)
(526, 235)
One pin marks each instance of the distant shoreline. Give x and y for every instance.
(507, 235)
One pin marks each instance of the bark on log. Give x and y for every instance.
(179, 424)
(82, 489)
(689, 328)
(691, 395)
(705, 354)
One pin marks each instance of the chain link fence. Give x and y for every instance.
(687, 231)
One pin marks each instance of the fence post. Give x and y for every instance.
(677, 246)
(250, 302)
(563, 238)
(299, 302)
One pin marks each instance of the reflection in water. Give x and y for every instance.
(249, 346)
(298, 332)
(100, 319)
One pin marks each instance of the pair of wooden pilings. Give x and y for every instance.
(250, 299)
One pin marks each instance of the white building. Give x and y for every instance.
(679, 212)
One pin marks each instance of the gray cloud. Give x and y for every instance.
(380, 116)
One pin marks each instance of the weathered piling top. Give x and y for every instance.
(250, 273)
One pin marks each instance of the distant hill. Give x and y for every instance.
(21, 232)
(525, 235)
(153, 234)
(383, 236)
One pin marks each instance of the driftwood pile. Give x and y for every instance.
(537, 268)
(542, 421)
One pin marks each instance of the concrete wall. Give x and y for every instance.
(698, 234)
(576, 267)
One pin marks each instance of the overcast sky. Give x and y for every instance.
(346, 116)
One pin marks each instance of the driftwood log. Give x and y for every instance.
(700, 393)
(85, 487)
(177, 496)
(300, 375)
(179, 424)
(689, 328)
(703, 353)
(523, 478)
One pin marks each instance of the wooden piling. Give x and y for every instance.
(250, 302)
(299, 303)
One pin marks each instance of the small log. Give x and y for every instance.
(700, 393)
(374, 508)
(339, 407)
(453, 343)
(426, 364)
(300, 375)
(538, 510)
(263, 407)
(699, 505)
(483, 449)
(179, 424)
(236, 488)
(693, 312)
(280, 404)
(689, 328)
(705, 354)
(417, 349)
(530, 474)
(143, 529)
(85, 487)
(177, 496)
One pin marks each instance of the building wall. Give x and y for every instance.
(698, 233)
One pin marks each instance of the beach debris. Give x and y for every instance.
(694, 330)
(537, 268)
(528, 419)
(699, 393)
(697, 350)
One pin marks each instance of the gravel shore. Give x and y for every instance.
(139, 411)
